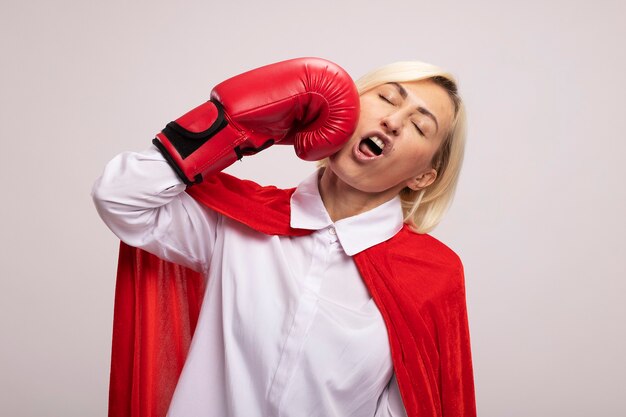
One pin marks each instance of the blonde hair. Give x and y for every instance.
(423, 209)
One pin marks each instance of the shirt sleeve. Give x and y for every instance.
(143, 202)
(390, 403)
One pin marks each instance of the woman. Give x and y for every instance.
(315, 296)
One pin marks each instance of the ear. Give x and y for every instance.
(423, 180)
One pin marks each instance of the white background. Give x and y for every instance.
(538, 217)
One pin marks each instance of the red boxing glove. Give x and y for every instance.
(308, 102)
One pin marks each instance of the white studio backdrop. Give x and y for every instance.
(538, 217)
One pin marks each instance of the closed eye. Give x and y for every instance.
(385, 98)
(418, 129)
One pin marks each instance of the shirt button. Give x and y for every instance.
(332, 231)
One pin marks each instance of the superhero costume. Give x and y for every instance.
(416, 282)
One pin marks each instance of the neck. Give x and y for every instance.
(342, 201)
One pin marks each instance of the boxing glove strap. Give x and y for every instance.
(197, 179)
(187, 142)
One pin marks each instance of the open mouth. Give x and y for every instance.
(371, 146)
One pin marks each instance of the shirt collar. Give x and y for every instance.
(355, 233)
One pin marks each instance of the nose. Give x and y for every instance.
(392, 124)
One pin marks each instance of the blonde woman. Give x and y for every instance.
(324, 300)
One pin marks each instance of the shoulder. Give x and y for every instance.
(423, 247)
(265, 209)
(421, 263)
(225, 183)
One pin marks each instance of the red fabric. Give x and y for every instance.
(157, 304)
(264, 209)
(415, 280)
(418, 285)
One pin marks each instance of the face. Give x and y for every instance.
(401, 127)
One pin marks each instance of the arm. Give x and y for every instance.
(307, 102)
(143, 202)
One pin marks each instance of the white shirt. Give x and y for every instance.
(287, 326)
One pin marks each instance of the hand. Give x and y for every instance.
(308, 102)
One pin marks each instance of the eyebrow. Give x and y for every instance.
(420, 109)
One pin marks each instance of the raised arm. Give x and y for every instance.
(143, 202)
(310, 103)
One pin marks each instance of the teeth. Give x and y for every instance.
(378, 142)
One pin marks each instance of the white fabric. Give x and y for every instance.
(287, 327)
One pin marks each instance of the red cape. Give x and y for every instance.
(416, 281)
